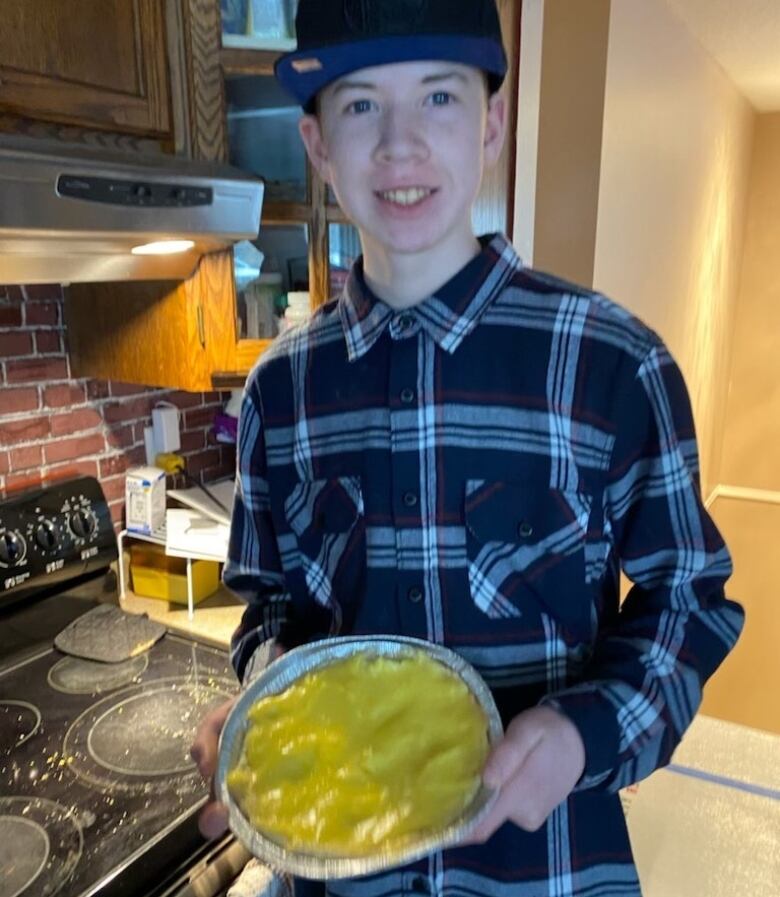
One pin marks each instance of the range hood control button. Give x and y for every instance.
(70, 186)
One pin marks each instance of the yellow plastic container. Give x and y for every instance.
(155, 575)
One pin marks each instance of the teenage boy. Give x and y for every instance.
(467, 451)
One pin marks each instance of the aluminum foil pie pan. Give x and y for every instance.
(279, 676)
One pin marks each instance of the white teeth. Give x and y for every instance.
(406, 197)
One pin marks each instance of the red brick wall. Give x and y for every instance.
(53, 427)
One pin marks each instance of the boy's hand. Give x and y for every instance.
(534, 768)
(213, 819)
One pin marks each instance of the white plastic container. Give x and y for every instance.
(259, 297)
(271, 18)
(298, 309)
(145, 499)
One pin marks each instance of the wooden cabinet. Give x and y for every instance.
(96, 64)
(189, 335)
(158, 333)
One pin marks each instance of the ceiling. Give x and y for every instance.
(744, 37)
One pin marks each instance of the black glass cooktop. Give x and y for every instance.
(98, 794)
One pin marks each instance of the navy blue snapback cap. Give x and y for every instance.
(337, 37)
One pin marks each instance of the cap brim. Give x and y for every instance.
(304, 73)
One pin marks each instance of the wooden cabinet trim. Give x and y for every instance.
(248, 62)
(202, 34)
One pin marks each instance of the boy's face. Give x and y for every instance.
(404, 147)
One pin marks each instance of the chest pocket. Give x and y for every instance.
(525, 546)
(327, 517)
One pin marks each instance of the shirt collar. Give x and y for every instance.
(448, 316)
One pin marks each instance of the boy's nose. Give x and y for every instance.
(400, 138)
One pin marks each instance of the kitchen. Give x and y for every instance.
(84, 365)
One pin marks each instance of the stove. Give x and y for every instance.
(98, 794)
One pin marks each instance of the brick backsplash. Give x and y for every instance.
(53, 427)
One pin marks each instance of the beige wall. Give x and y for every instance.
(527, 155)
(563, 64)
(632, 177)
(673, 192)
(751, 457)
(571, 104)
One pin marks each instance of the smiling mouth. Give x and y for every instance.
(409, 196)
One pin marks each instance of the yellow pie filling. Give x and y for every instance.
(363, 755)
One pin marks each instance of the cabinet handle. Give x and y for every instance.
(201, 327)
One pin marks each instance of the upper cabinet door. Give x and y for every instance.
(92, 63)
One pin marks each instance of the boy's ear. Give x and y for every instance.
(495, 127)
(311, 134)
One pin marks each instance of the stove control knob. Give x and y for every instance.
(46, 535)
(82, 524)
(11, 548)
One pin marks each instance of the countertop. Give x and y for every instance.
(215, 618)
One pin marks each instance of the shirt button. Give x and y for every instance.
(415, 595)
(407, 396)
(524, 529)
(405, 322)
(410, 499)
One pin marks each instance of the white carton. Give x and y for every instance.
(145, 499)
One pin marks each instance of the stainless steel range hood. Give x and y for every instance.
(80, 215)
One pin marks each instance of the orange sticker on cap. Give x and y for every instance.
(302, 66)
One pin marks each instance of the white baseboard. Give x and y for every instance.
(767, 496)
(711, 497)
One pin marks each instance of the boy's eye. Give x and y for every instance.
(441, 98)
(359, 107)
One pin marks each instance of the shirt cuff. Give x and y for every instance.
(597, 724)
(262, 656)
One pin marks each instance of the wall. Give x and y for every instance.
(571, 103)
(750, 456)
(53, 427)
(672, 201)
(527, 155)
(633, 177)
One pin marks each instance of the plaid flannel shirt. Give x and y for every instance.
(475, 471)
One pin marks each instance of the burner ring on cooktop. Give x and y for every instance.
(40, 842)
(19, 720)
(77, 676)
(28, 847)
(131, 740)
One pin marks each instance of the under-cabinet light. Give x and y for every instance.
(163, 247)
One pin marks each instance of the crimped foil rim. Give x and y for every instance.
(280, 675)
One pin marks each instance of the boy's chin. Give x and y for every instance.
(414, 238)
(408, 244)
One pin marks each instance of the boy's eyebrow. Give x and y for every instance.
(348, 84)
(353, 85)
(445, 76)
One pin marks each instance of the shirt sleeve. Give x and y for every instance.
(643, 684)
(253, 569)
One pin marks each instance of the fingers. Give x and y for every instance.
(206, 744)
(511, 804)
(533, 769)
(213, 820)
(504, 762)
(490, 824)
(503, 773)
